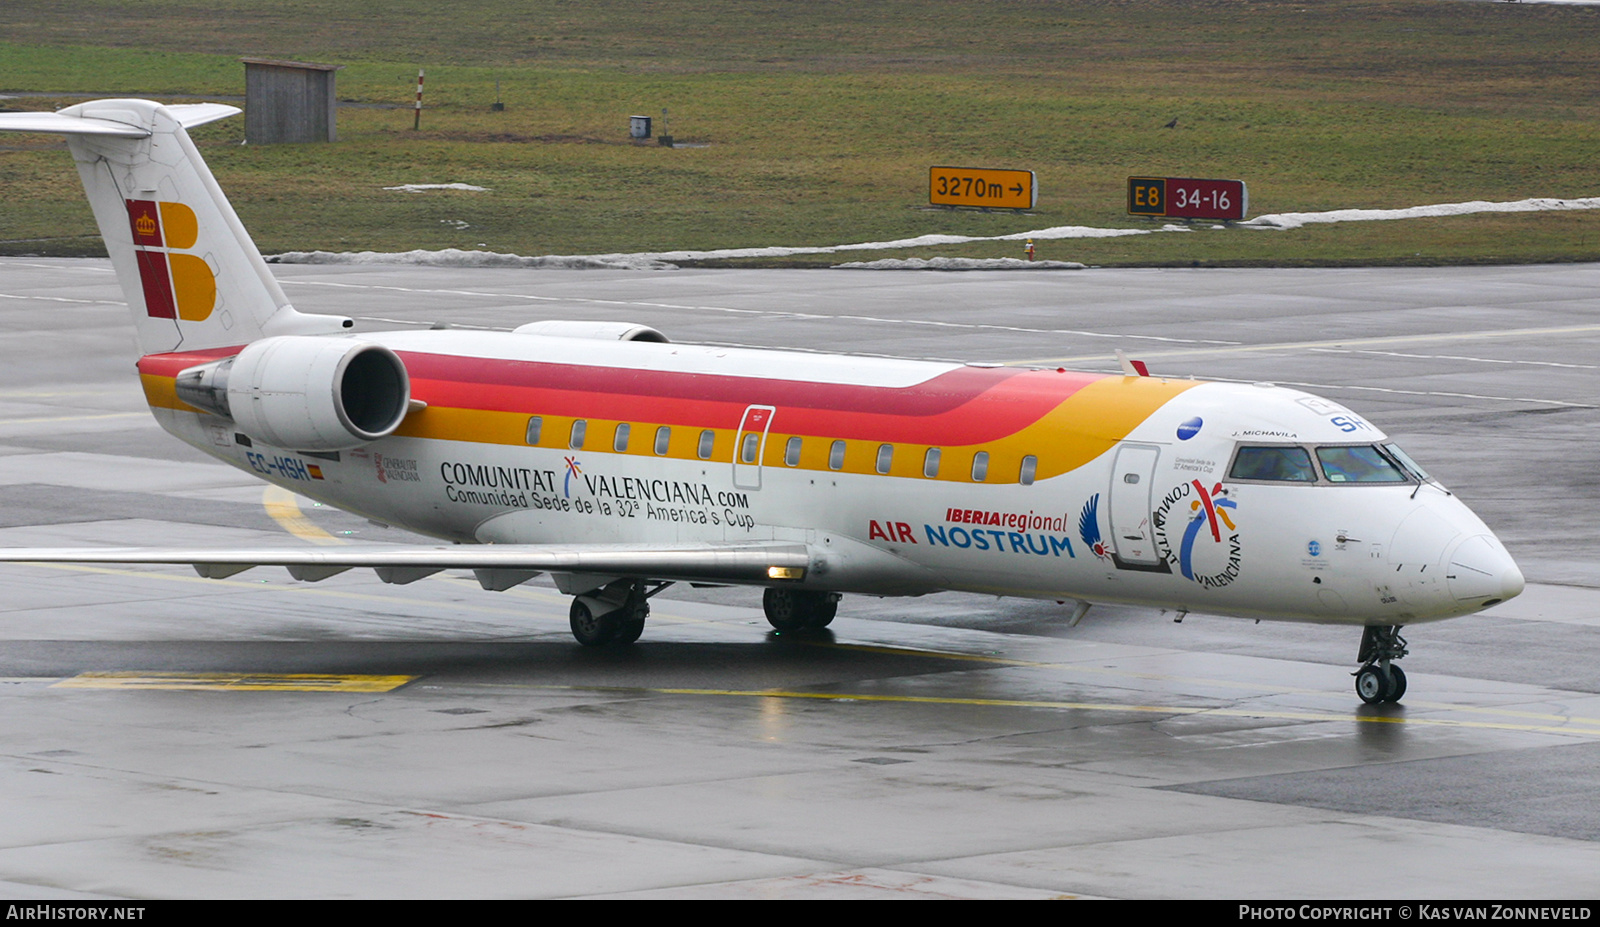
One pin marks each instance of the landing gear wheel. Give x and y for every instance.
(785, 609)
(614, 614)
(799, 609)
(1379, 679)
(1397, 683)
(823, 610)
(629, 632)
(629, 628)
(590, 630)
(1370, 685)
(1376, 684)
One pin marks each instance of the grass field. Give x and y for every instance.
(820, 121)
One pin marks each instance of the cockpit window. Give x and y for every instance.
(1405, 460)
(1279, 464)
(1359, 465)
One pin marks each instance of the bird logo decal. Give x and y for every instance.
(1089, 527)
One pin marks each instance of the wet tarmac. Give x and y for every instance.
(169, 736)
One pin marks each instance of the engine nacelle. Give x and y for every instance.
(602, 331)
(305, 393)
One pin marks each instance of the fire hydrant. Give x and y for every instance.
(1029, 249)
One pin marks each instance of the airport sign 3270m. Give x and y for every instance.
(986, 187)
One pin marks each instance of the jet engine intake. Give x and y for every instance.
(304, 392)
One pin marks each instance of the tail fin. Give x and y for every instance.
(189, 270)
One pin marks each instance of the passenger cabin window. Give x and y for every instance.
(1358, 465)
(836, 456)
(1276, 464)
(980, 466)
(791, 453)
(708, 440)
(930, 463)
(535, 426)
(1030, 467)
(885, 457)
(619, 443)
(749, 448)
(663, 440)
(579, 426)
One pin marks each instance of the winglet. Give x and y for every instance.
(1132, 368)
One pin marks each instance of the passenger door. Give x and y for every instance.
(1132, 479)
(749, 446)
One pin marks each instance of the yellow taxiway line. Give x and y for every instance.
(1588, 728)
(237, 682)
(281, 506)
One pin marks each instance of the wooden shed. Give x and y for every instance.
(288, 101)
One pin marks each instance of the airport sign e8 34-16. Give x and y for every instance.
(1187, 198)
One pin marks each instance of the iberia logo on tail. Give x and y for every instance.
(176, 285)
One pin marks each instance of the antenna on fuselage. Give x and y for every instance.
(1132, 368)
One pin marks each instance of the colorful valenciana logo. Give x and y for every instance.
(1201, 512)
(177, 285)
(1206, 510)
(573, 469)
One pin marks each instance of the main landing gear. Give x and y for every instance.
(799, 609)
(614, 614)
(1380, 680)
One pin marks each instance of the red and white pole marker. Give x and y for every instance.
(416, 120)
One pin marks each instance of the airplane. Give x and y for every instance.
(620, 462)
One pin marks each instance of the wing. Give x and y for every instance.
(499, 566)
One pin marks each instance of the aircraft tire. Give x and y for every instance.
(631, 626)
(1397, 684)
(785, 608)
(629, 631)
(823, 609)
(1371, 687)
(592, 631)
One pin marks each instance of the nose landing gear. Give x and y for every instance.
(1380, 680)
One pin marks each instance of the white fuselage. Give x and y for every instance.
(1152, 516)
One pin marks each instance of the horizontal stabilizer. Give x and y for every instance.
(104, 122)
(190, 115)
(62, 124)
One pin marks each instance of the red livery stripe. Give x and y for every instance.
(170, 365)
(962, 406)
(968, 405)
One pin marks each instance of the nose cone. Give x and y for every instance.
(1480, 571)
